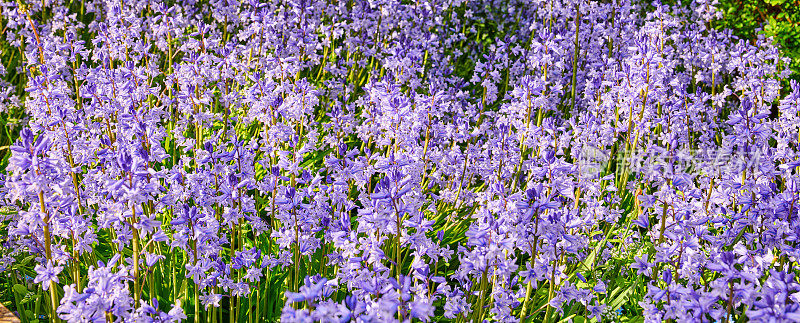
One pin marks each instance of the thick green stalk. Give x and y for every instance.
(49, 254)
(196, 304)
(575, 54)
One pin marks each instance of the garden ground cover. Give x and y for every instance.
(454, 161)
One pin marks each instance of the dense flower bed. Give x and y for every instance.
(440, 160)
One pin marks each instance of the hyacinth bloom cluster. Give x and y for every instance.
(372, 161)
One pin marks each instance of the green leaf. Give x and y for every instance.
(20, 289)
(573, 318)
(25, 261)
(621, 298)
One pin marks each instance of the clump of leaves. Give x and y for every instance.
(779, 19)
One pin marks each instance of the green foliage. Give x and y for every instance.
(779, 19)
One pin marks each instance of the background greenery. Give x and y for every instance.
(779, 19)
